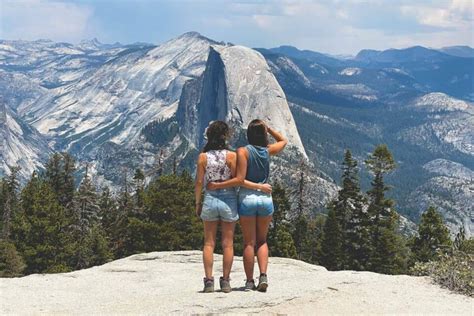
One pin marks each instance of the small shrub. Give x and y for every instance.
(451, 270)
(11, 263)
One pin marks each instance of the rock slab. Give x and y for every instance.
(171, 283)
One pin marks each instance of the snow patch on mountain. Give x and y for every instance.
(351, 71)
(396, 70)
(321, 69)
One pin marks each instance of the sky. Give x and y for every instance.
(331, 26)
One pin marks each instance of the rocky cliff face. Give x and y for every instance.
(171, 283)
(20, 145)
(237, 86)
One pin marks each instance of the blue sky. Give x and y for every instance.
(331, 26)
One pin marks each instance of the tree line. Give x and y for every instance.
(51, 225)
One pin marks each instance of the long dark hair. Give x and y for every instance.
(257, 133)
(217, 135)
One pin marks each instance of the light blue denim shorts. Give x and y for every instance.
(254, 203)
(220, 205)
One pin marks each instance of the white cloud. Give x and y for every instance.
(351, 25)
(55, 20)
(454, 14)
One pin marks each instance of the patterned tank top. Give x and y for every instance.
(217, 169)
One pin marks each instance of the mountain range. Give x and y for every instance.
(120, 107)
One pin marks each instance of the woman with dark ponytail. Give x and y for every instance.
(217, 163)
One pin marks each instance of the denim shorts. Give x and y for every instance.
(254, 203)
(220, 205)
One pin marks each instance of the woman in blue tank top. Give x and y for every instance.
(255, 201)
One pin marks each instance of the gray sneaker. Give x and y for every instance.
(208, 285)
(250, 285)
(225, 285)
(262, 283)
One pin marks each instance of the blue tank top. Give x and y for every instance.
(258, 164)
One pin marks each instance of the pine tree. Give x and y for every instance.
(331, 247)
(170, 222)
(11, 263)
(86, 211)
(139, 184)
(108, 215)
(40, 229)
(86, 205)
(280, 241)
(9, 201)
(59, 174)
(460, 238)
(351, 210)
(432, 235)
(299, 230)
(121, 235)
(96, 248)
(383, 218)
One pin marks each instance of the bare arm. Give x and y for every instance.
(231, 160)
(280, 144)
(265, 187)
(201, 169)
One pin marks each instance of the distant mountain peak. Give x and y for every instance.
(195, 35)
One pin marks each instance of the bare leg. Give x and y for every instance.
(248, 224)
(210, 229)
(263, 222)
(227, 247)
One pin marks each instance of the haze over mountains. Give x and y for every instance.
(120, 107)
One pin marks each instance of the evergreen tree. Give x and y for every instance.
(59, 174)
(11, 263)
(40, 229)
(432, 235)
(351, 210)
(86, 211)
(299, 230)
(86, 205)
(460, 238)
(139, 183)
(332, 243)
(96, 249)
(300, 234)
(316, 226)
(348, 217)
(384, 255)
(168, 222)
(8, 201)
(108, 215)
(122, 235)
(280, 241)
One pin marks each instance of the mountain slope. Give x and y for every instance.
(145, 105)
(121, 107)
(171, 283)
(357, 106)
(20, 145)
